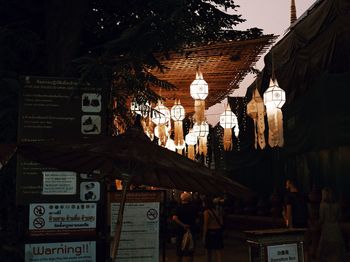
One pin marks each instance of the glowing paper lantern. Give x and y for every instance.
(256, 110)
(202, 132)
(274, 99)
(148, 127)
(161, 117)
(170, 145)
(199, 92)
(140, 109)
(178, 114)
(228, 120)
(191, 141)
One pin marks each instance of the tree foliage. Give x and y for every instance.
(109, 42)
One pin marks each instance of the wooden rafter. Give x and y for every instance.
(224, 66)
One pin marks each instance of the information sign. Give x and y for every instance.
(282, 253)
(53, 109)
(62, 219)
(140, 230)
(64, 251)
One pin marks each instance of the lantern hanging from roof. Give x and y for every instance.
(228, 120)
(162, 134)
(274, 99)
(191, 141)
(148, 127)
(180, 147)
(199, 92)
(170, 145)
(142, 109)
(161, 117)
(202, 132)
(256, 110)
(178, 114)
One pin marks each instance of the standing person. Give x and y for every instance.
(331, 247)
(295, 211)
(212, 231)
(185, 217)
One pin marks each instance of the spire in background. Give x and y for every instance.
(293, 12)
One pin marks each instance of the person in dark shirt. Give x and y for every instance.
(185, 217)
(295, 207)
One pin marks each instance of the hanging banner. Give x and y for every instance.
(62, 219)
(52, 109)
(63, 251)
(140, 230)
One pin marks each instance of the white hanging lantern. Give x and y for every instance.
(178, 114)
(274, 96)
(140, 109)
(228, 120)
(199, 92)
(256, 110)
(162, 134)
(180, 147)
(202, 132)
(160, 114)
(191, 141)
(274, 99)
(148, 127)
(170, 145)
(161, 117)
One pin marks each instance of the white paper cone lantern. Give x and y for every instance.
(274, 99)
(178, 114)
(191, 141)
(228, 120)
(199, 91)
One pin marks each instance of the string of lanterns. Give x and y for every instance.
(157, 122)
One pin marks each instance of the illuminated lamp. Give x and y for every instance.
(228, 120)
(274, 99)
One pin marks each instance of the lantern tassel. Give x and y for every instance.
(261, 129)
(255, 134)
(275, 121)
(280, 141)
(190, 152)
(178, 133)
(162, 135)
(227, 139)
(203, 149)
(199, 108)
(148, 127)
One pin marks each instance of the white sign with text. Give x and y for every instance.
(64, 251)
(283, 253)
(140, 232)
(59, 183)
(61, 216)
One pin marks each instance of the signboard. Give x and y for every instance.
(62, 219)
(59, 183)
(53, 109)
(140, 231)
(63, 251)
(282, 253)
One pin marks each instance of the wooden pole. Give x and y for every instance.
(119, 224)
(293, 12)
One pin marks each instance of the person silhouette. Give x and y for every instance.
(331, 245)
(295, 211)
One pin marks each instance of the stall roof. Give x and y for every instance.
(224, 66)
